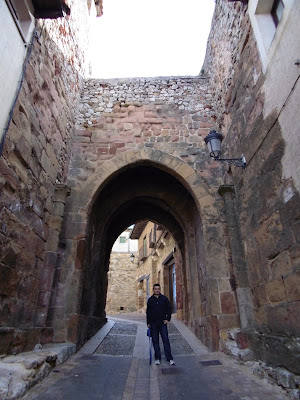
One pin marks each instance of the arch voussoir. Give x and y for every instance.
(177, 167)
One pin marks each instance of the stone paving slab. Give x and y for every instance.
(91, 346)
(124, 329)
(117, 345)
(99, 376)
(119, 341)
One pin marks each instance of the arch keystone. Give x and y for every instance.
(132, 156)
(146, 154)
(119, 160)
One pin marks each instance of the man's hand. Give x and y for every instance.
(166, 321)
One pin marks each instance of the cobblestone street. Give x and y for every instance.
(114, 364)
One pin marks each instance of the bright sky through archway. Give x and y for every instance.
(143, 38)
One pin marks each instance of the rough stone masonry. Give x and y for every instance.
(72, 146)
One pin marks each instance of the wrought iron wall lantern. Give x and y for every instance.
(213, 141)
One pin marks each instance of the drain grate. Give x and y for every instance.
(170, 371)
(210, 363)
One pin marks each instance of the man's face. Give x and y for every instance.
(156, 290)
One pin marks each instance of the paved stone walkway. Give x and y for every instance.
(114, 365)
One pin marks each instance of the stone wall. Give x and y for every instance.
(121, 123)
(170, 114)
(33, 166)
(122, 285)
(229, 34)
(267, 201)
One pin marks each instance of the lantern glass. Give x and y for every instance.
(214, 147)
(213, 141)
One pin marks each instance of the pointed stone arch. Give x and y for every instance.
(192, 217)
(174, 165)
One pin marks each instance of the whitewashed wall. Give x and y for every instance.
(12, 54)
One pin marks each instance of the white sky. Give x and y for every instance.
(143, 38)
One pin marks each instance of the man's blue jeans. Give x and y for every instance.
(156, 329)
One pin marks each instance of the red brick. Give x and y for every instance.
(102, 150)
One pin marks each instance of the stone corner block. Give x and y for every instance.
(19, 373)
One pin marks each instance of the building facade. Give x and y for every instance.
(121, 277)
(157, 264)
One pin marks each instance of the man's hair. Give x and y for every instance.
(156, 284)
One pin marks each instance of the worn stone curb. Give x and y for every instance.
(18, 373)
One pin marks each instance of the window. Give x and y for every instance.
(269, 20)
(21, 16)
(145, 246)
(122, 239)
(277, 11)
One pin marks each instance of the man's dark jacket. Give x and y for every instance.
(158, 309)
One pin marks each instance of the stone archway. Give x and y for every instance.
(146, 184)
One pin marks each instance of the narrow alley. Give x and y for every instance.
(114, 364)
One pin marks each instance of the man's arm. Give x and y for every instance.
(148, 313)
(168, 310)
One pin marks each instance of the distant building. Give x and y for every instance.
(124, 244)
(121, 277)
(157, 264)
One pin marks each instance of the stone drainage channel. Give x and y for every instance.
(114, 364)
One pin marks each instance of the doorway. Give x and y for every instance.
(172, 285)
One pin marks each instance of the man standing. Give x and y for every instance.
(158, 317)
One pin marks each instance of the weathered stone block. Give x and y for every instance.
(9, 281)
(9, 251)
(292, 286)
(52, 242)
(213, 290)
(229, 321)
(8, 174)
(271, 236)
(80, 254)
(50, 259)
(281, 266)
(6, 339)
(285, 378)
(185, 171)
(227, 303)
(283, 319)
(276, 350)
(127, 126)
(275, 291)
(47, 279)
(43, 298)
(242, 340)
